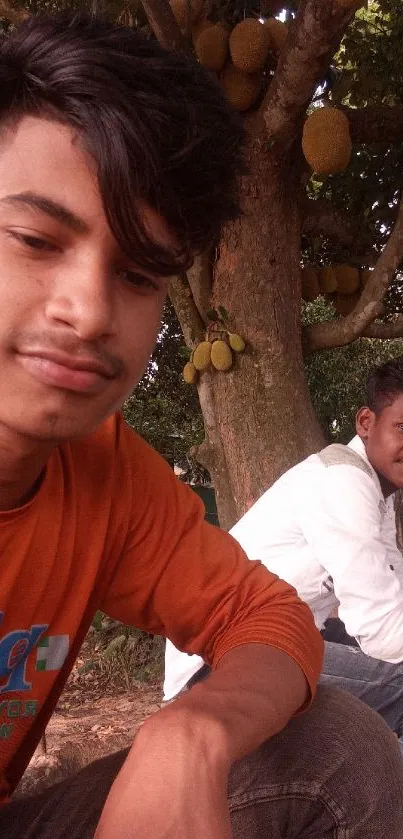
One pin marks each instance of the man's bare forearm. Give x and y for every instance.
(174, 780)
(251, 696)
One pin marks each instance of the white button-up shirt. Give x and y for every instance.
(328, 531)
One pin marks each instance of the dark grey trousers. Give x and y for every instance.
(335, 772)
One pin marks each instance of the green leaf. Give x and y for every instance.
(223, 312)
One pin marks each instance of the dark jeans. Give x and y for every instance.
(334, 772)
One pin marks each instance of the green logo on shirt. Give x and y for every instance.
(51, 652)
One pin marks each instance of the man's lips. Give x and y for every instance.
(77, 373)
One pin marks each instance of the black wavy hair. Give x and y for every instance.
(384, 384)
(157, 125)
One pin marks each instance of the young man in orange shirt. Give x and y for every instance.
(118, 163)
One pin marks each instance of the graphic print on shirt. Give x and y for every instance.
(15, 649)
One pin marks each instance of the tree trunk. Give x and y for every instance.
(262, 406)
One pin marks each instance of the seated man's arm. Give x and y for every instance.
(341, 521)
(174, 781)
(190, 581)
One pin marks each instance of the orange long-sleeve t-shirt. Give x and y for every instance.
(111, 528)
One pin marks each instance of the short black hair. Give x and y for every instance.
(157, 125)
(385, 384)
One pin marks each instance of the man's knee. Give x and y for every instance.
(340, 748)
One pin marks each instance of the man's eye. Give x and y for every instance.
(139, 281)
(33, 242)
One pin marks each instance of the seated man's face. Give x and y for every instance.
(78, 322)
(383, 438)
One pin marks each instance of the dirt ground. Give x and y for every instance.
(98, 713)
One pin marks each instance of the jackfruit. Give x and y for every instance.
(212, 47)
(202, 355)
(249, 45)
(309, 283)
(199, 28)
(278, 31)
(344, 304)
(221, 356)
(189, 373)
(348, 279)
(186, 11)
(242, 89)
(328, 280)
(326, 141)
(236, 342)
(365, 274)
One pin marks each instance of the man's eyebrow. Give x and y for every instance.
(50, 208)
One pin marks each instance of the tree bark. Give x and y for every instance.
(259, 419)
(313, 38)
(162, 21)
(187, 313)
(263, 407)
(389, 329)
(212, 456)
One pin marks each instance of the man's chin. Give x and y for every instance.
(53, 428)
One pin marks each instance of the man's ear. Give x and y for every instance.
(364, 421)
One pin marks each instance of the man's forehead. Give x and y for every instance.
(44, 158)
(392, 412)
(396, 405)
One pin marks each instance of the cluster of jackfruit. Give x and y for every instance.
(240, 57)
(340, 283)
(216, 351)
(326, 141)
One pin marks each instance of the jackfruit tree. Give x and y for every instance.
(319, 87)
(258, 416)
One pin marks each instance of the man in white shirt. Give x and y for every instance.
(327, 526)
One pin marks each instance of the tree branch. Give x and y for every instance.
(163, 23)
(312, 40)
(375, 124)
(391, 329)
(182, 300)
(15, 14)
(338, 333)
(322, 217)
(200, 277)
(211, 454)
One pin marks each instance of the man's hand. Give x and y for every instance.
(173, 784)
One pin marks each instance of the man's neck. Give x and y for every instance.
(22, 463)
